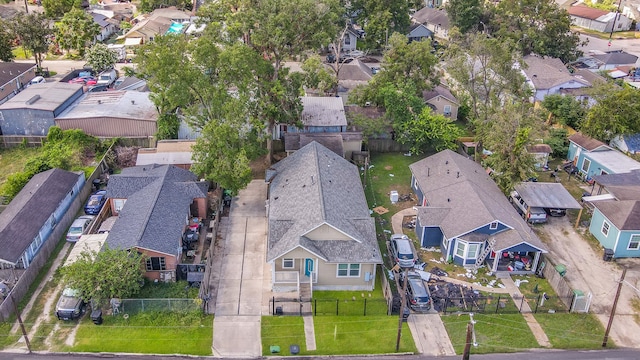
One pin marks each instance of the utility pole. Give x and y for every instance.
(613, 26)
(613, 308)
(26, 8)
(402, 307)
(24, 331)
(467, 345)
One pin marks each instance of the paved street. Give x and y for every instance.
(631, 46)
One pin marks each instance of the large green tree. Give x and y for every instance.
(616, 112)
(6, 38)
(380, 19)
(536, 26)
(57, 8)
(428, 131)
(100, 57)
(409, 66)
(150, 5)
(507, 136)
(110, 273)
(466, 15)
(565, 109)
(483, 69)
(76, 30)
(33, 31)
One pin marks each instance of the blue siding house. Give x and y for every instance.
(319, 115)
(592, 157)
(464, 213)
(27, 223)
(616, 214)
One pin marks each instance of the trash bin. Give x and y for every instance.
(561, 269)
(294, 349)
(406, 313)
(608, 255)
(96, 316)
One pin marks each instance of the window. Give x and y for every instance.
(287, 263)
(348, 270)
(634, 242)
(447, 110)
(493, 225)
(118, 204)
(585, 165)
(460, 249)
(605, 228)
(156, 263)
(472, 251)
(347, 40)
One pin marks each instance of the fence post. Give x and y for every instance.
(337, 304)
(142, 304)
(315, 307)
(537, 304)
(365, 306)
(498, 304)
(273, 305)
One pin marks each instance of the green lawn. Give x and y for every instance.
(150, 332)
(164, 290)
(13, 160)
(573, 331)
(494, 333)
(337, 335)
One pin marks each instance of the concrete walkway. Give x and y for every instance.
(236, 327)
(309, 333)
(430, 335)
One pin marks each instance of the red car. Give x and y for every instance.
(85, 80)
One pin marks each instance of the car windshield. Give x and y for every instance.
(94, 200)
(75, 229)
(104, 77)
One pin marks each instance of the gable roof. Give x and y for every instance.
(586, 142)
(586, 12)
(418, 28)
(617, 57)
(100, 19)
(11, 70)
(439, 91)
(625, 215)
(428, 15)
(158, 22)
(23, 218)
(312, 187)
(158, 199)
(547, 72)
(355, 71)
(461, 186)
(323, 111)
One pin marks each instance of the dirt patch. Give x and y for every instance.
(388, 167)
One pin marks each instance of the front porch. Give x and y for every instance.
(286, 281)
(516, 263)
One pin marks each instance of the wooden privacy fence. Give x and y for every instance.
(11, 141)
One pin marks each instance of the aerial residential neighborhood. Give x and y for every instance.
(319, 178)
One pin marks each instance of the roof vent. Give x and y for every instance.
(133, 102)
(33, 99)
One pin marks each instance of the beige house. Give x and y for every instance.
(320, 235)
(442, 101)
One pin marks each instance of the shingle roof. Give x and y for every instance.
(100, 19)
(616, 58)
(547, 72)
(433, 16)
(158, 199)
(586, 142)
(316, 187)
(625, 215)
(23, 218)
(355, 71)
(11, 70)
(451, 181)
(439, 91)
(323, 111)
(540, 148)
(332, 141)
(631, 178)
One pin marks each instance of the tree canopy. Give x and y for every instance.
(465, 14)
(33, 31)
(6, 39)
(616, 112)
(54, 9)
(380, 19)
(565, 109)
(76, 30)
(110, 273)
(100, 57)
(150, 5)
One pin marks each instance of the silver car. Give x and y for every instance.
(79, 227)
(402, 251)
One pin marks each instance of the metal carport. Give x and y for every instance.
(547, 195)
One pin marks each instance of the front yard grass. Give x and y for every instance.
(13, 160)
(572, 330)
(502, 333)
(166, 290)
(150, 332)
(337, 335)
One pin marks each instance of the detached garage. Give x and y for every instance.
(547, 196)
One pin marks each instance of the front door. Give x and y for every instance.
(308, 267)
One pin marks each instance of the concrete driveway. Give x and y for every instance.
(236, 327)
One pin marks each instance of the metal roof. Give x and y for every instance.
(614, 160)
(113, 104)
(46, 96)
(547, 195)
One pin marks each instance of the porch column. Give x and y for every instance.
(536, 258)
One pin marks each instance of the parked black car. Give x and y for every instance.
(70, 305)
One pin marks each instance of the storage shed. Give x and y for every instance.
(112, 114)
(32, 111)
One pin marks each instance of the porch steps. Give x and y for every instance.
(484, 254)
(304, 291)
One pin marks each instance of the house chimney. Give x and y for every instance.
(458, 174)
